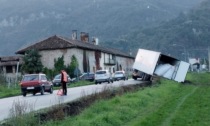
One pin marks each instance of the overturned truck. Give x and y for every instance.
(151, 63)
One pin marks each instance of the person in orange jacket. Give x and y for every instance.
(64, 80)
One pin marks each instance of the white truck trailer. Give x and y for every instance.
(151, 63)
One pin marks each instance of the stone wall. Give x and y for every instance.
(48, 57)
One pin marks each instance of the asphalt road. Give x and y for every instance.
(43, 101)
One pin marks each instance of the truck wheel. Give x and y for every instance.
(146, 77)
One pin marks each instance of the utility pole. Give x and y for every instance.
(17, 70)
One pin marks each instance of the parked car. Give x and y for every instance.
(34, 83)
(119, 75)
(103, 76)
(57, 80)
(87, 76)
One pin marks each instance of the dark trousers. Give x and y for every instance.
(64, 88)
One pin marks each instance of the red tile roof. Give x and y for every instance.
(58, 42)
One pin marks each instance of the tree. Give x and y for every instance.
(59, 64)
(73, 66)
(32, 62)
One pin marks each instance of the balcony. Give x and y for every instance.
(109, 61)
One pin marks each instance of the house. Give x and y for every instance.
(10, 66)
(194, 64)
(90, 55)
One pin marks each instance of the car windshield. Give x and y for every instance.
(91, 75)
(58, 76)
(30, 77)
(118, 72)
(100, 72)
(84, 74)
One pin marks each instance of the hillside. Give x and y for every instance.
(27, 21)
(188, 32)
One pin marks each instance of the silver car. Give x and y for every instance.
(119, 75)
(57, 80)
(103, 76)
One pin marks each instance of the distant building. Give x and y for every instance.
(194, 64)
(90, 55)
(10, 66)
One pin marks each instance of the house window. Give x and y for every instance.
(9, 69)
(113, 56)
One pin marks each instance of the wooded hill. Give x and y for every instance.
(190, 31)
(23, 22)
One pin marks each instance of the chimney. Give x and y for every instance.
(95, 41)
(74, 34)
(84, 37)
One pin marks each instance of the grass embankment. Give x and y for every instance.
(9, 91)
(164, 104)
(6, 91)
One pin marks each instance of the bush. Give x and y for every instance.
(2, 80)
(19, 114)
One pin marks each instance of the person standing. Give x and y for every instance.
(64, 80)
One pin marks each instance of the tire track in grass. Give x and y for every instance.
(167, 121)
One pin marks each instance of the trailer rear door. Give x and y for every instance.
(181, 71)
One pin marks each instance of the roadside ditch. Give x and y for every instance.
(63, 110)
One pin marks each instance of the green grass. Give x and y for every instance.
(80, 83)
(9, 92)
(165, 104)
(199, 78)
(195, 110)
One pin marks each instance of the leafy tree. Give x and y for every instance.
(49, 72)
(73, 66)
(32, 62)
(59, 64)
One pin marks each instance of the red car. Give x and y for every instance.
(34, 83)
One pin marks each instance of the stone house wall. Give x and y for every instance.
(48, 57)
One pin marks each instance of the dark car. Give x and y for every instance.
(34, 83)
(87, 76)
(119, 75)
(57, 80)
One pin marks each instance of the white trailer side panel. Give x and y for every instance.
(146, 61)
(182, 71)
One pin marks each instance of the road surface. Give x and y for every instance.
(47, 100)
